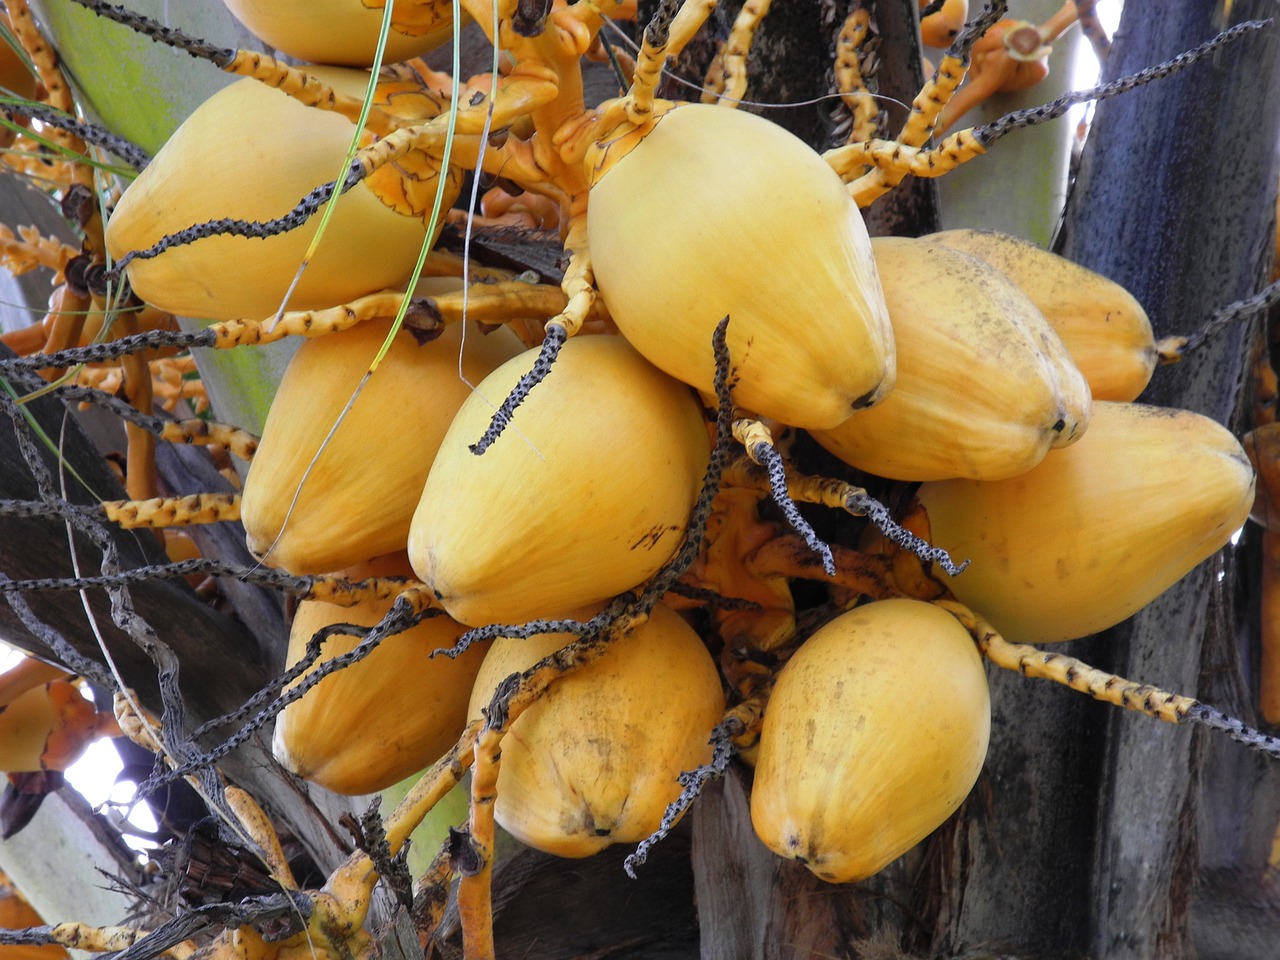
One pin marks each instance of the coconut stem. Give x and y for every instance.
(755, 437)
(552, 341)
(989, 133)
(154, 30)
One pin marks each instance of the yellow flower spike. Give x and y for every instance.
(338, 590)
(434, 783)
(726, 82)
(475, 886)
(243, 943)
(889, 167)
(241, 332)
(81, 936)
(206, 432)
(850, 83)
(503, 302)
(664, 37)
(1033, 662)
(354, 880)
(338, 922)
(851, 158)
(197, 508)
(136, 722)
(259, 828)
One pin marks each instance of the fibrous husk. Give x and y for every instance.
(399, 709)
(595, 760)
(1104, 328)
(585, 495)
(357, 499)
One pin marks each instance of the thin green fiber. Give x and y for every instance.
(352, 149)
(441, 182)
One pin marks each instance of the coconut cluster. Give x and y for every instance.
(999, 378)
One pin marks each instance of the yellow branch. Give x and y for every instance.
(1068, 671)
(186, 511)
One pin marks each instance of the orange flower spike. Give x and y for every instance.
(734, 532)
(26, 340)
(939, 29)
(48, 727)
(65, 322)
(1012, 56)
(141, 478)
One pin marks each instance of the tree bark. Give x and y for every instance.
(1174, 200)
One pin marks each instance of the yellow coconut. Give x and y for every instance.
(1098, 530)
(345, 32)
(356, 499)
(373, 723)
(595, 760)
(874, 734)
(1104, 328)
(252, 153)
(586, 494)
(984, 387)
(718, 212)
